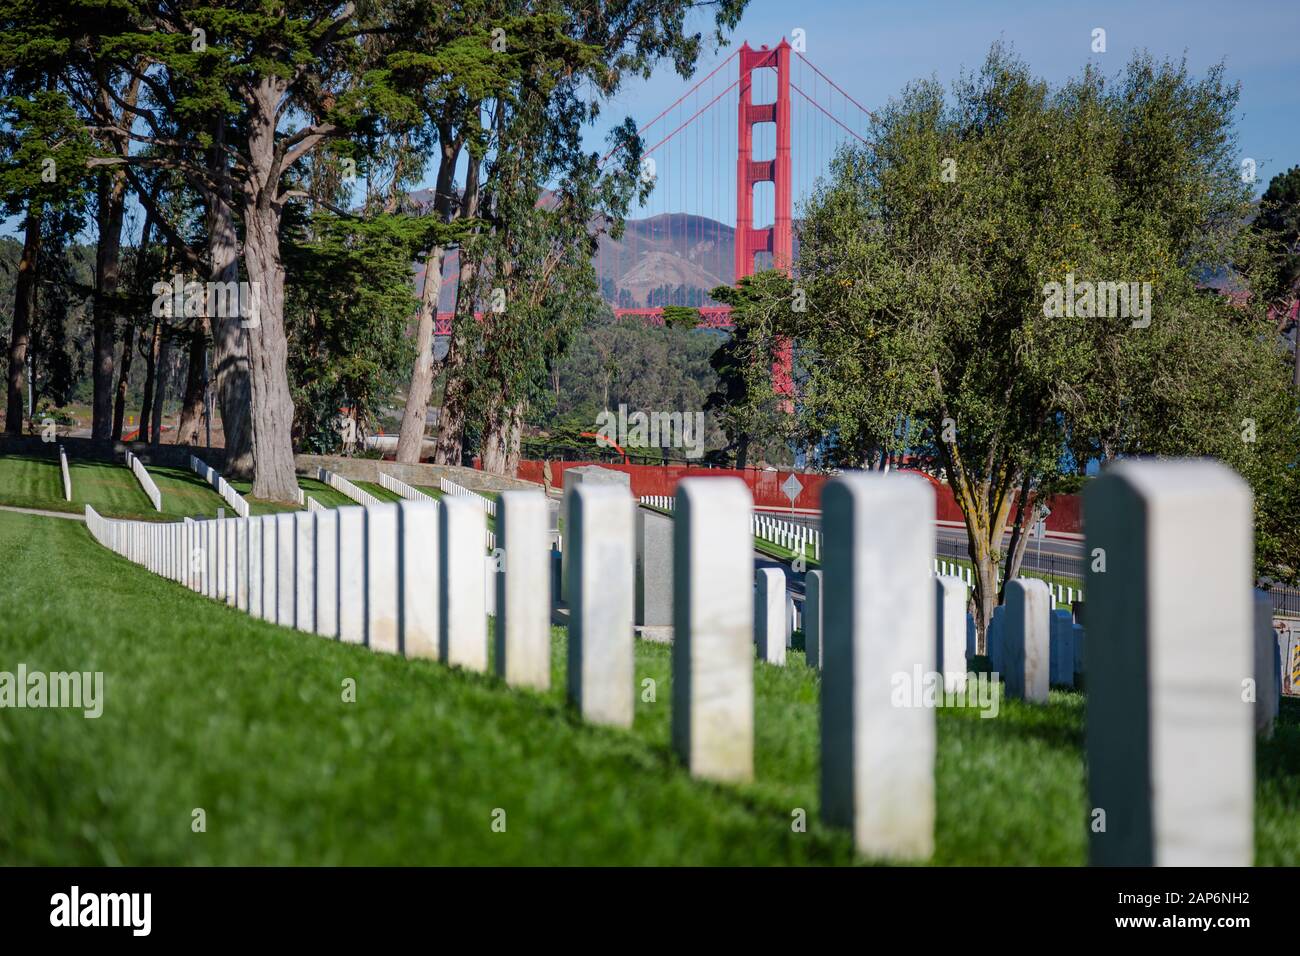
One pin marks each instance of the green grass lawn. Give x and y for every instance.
(259, 506)
(110, 488)
(184, 493)
(207, 708)
(378, 490)
(28, 481)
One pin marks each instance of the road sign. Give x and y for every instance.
(792, 486)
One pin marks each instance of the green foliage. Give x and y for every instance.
(1279, 223)
(349, 299)
(609, 363)
(749, 410)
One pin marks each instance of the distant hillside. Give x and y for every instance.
(669, 259)
(677, 250)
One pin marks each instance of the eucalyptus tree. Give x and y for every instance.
(543, 198)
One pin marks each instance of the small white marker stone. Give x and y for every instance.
(602, 602)
(417, 600)
(462, 611)
(877, 758)
(713, 661)
(1026, 639)
(381, 577)
(352, 574)
(523, 618)
(1170, 741)
(950, 632)
(770, 615)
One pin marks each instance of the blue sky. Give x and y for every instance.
(873, 49)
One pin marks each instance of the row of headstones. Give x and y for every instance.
(793, 537)
(1060, 593)
(1178, 674)
(954, 632)
(343, 486)
(1031, 643)
(400, 488)
(405, 577)
(411, 493)
(220, 485)
(67, 476)
(944, 568)
(1172, 641)
(449, 487)
(146, 480)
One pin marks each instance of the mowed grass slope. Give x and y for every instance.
(206, 708)
(110, 488)
(185, 494)
(30, 481)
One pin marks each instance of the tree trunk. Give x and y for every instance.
(1026, 517)
(123, 374)
(196, 384)
(24, 312)
(274, 476)
(112, 204)
(160, 392)
(229, 337)
(150, 379)
(985, 505)
(128, 345)
(511, 469)
(410, 440)
(451, 422)
(496, 437)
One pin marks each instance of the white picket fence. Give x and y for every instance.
(1187, 617)
(220, 485)
(341, 484)
(449, 487)
(67, 477)
(401, 488)
(314, 505)
(146, 482)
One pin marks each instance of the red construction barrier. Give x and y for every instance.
(765, 486)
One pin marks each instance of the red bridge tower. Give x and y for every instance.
(778, 239)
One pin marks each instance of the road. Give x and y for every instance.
(951, 541)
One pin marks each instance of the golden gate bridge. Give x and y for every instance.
(743, 144)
